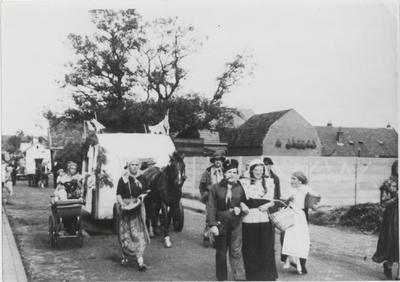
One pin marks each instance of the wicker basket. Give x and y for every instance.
(311, 200)
(282, 219)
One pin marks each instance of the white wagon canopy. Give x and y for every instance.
(106, 161)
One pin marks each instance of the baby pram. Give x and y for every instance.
(65, 210)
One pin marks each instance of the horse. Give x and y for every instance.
(165, 191)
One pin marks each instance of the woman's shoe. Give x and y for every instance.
(124, 261)
(286, 265)
(142, 266)
(387, 271)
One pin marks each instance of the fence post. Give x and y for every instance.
(355, 182)
(194, 175)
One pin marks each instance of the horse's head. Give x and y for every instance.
(178, 169)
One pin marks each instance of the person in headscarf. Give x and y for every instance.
(258, 232)
(132, 231)
(212, 175)
(387, 250)
(296, 241)
(224, 219)
(69, 187)
(71, 182)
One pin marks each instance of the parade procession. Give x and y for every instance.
(200, 140)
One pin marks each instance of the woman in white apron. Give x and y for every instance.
(296, 243)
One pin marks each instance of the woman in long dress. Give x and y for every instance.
(132, 233)
(258, 232)
(387, 250)
(296, 242)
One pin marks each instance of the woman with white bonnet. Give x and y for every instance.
(132, 236)
(258, 232)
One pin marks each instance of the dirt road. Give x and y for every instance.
(335, 255)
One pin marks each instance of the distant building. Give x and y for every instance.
(358, 142)
(282, 133)
(211, 142)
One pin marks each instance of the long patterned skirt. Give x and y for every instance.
(133, 235)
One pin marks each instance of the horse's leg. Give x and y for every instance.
(149, 215)
(154, 219)
(167, 241)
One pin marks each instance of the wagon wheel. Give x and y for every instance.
(51, 232)
(80, 234)
(55, 232)
(178, 218)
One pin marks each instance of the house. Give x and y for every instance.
(212, 142)
(282, 133)
(358, 142)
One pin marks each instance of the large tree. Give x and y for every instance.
(160, 63)
(102, 76)
(126, 56)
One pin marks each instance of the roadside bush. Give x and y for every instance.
(366, 218)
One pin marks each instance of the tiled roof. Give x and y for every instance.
(254, 130)
(209, 136)
(372, 142)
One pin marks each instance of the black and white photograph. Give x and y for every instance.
(171, 140)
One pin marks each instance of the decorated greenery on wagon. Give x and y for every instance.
(106, 157)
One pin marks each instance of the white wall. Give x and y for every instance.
(339, 180)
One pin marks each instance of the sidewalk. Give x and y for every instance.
(13, 270)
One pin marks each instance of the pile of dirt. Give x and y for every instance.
(365, 218)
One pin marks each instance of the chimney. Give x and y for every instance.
(339, 136)
(329, 123)
(388, 126)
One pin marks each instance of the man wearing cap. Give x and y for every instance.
(225, 207)
(270, 174)
(211, 176)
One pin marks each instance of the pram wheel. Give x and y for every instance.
(80, 234)
(51, 231)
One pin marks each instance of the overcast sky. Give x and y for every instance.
(329, 60)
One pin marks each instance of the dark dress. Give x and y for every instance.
(259, 235)
(388, 243)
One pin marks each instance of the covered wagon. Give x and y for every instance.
(106, 158)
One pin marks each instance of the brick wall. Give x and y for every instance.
(291, 126)
(341, 181)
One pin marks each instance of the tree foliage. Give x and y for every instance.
(165, 47)
(126, 56)
(102, 76)
(14, 142)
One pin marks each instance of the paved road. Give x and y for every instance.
(335, 255)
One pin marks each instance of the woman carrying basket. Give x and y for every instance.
(132, 231)
(258, 232)
(296, 242)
